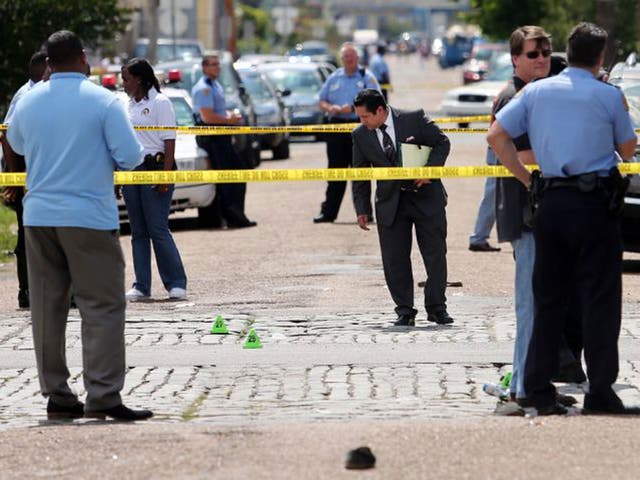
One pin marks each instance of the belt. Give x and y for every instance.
(587, 182)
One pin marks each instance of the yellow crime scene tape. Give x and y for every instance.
(325, 128)
(295, 175)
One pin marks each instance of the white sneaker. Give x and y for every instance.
(177, 293)
(135, 295)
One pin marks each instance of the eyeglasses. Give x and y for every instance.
(532, 55)
(211, 64)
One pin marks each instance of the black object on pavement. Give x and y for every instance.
(360, 459)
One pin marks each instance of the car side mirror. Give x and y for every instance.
(241, 90)
(284, 93)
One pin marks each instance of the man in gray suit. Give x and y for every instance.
(402, 204)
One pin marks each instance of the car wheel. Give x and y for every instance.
(463, 125)
(281, 152)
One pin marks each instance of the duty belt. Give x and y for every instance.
(587, 182)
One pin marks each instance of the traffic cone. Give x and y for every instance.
(252, 340)
(219, 327)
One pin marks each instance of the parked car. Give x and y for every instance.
(167, 49)
(188, 156)
(315, 50)
(304, 82)
(477, 98)
(628, 79)
(269, 108)
(235, 94)
(476, 68)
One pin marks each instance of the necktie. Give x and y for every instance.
(387, 144)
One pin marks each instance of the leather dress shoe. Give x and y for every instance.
(322, 218)
(565, 400)
(121, 413)
(594, 405)
(57, 411)
(241, 224)
(405, 320)
(552, 409)
(23, 299)
(483, 247)
(441, 318)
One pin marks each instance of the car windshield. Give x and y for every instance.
(484, 54)
(297, 81)
(165, 53)
(184, 114)
(308, 51)
(255, 85)
(633, 99)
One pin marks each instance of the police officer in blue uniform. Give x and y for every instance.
(336, 100)
(578, 127)
(210, 108)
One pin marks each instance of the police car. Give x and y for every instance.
(188, 156)
(630, 86)
(477, 98)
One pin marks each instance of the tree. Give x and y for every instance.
(498, 18)
(26, 24)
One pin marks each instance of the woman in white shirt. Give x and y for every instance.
(148, 205)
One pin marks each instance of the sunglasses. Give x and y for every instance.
(532, 55)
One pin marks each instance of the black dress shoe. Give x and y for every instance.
(441, 318)
(58, 412)
(553, 409)
(483, 247)
(594, 405)
(565, 400)
(405, 321)
(242, 224)
(121, 413)
(322, 218)
(23, 299)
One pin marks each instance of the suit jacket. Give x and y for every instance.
(367, 152)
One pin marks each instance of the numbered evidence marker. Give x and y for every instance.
(252, 340)
(219, 327)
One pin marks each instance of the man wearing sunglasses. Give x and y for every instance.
(579, 129)
(530, 48)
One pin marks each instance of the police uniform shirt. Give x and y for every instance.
(341, 89)
(207, 93)
(574, 122)
(157, 109)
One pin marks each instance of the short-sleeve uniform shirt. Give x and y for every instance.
(574, 122)
(341, 89)
(156, 109)
(207, 93)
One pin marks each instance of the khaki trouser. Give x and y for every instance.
(89, 262)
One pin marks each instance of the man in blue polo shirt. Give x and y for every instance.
(336, 99)
(578, 128)
(73, 134)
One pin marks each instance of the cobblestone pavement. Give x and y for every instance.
(312, 367)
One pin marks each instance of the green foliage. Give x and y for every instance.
(8, 238)
(262, 30)
(26, 24)
(498, 18)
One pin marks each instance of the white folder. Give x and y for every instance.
(413, 155)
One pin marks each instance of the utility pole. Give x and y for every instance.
(606, 18)
(153, 31)
(229, 13)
